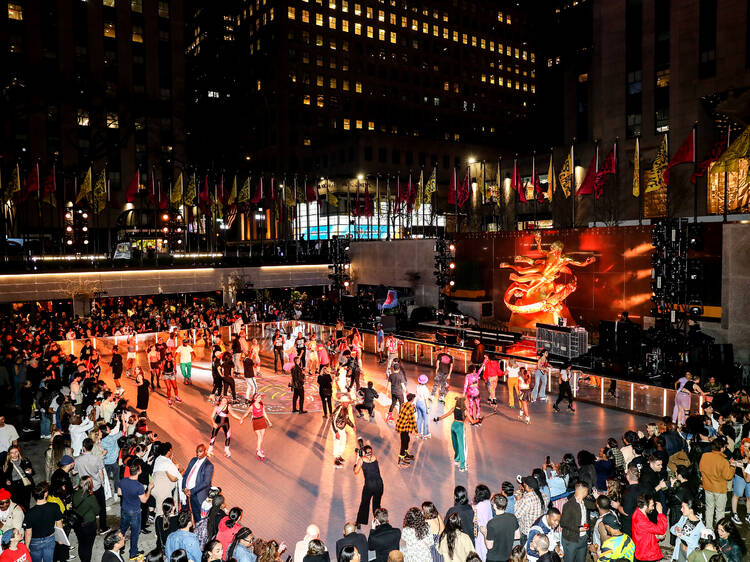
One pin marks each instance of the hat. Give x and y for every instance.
(611, 520)
(66, 460)
(707, 405)
(422, 379)
(531, 482)
(4, 494)
(707, 534)
(7, 535)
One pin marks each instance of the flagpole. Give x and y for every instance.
(388, 207)
(455, 198)
(359, 214)
(317, 215)
(596, 169)
(617, 179)
(533, 186)
(573, 182)
(377, 200)
(499, 175)
(640, 191)
(667, 198)
(695, 164)
(726, 175)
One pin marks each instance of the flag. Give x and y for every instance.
(419, 195)
(244, 195)
(192, 191)
(729, 160)
(368, 207)
(258, 194)
(289, 197)
(516, 184)
(232, 199)
(551, 180)
(711, 157)
(410, 197)
(176, 198)
(431, 187)
(99, 196)
(566, 174)
(84, 192)
(31, 184)
(538, 193)
(311, 191)
(684, 154)
(14, 185)
(272, 195)
(49, 190)
(655, 179)
(637, 168)
(608, 167)
(587, 185)
(133, 187)
(331, 199)
(464, 191)
(452, 189)
(203, 196)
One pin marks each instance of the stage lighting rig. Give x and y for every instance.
(172, 230)
(445, 268)
(76, 235)
(340, 266)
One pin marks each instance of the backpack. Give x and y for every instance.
(201, 531)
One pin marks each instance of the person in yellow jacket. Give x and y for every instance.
(716, 473)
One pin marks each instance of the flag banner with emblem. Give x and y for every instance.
(49, 190)
(258, 194)
(233, 193)
(608, 168)
(729, 160)
(99, 197)
(587, 185)
(637, 169)
(84, 192)
(244, 195)
(31, 184)
(655, 176)
(176, 198)
(430, 187)
(331, 198)
(713, 155)
(133, 187)
(420, 191)
(566, 174)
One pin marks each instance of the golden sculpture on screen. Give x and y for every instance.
(538, 291)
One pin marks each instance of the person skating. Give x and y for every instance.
(260, 422)
(458, 438)
(220, 420)
(443, 371)
(524, 395)
(396, 386)
(406, 424)
(565, 391)
(368, 394)
(342, 424)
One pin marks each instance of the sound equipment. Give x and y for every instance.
(562, 341)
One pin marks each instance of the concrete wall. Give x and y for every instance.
(391, 263)
(735, 289)
(50, 286)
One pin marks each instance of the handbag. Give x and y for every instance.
(25, 480)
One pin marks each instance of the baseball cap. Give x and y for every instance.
(707, 534)
(611, 520)
(66, 460)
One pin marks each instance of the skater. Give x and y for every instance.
(471, 393)
(524, 395)
(368, 394)
(443, 371)
(512, 371)
(367, 464)
(278, 350)
(540, 377)
(227, 375)
(325, 390)
(396, 386)
(342, 423)
(311, 361)
(185, 354)
(685, 387)
(116, 365)
(423, 407)
(248, 368)
(143, 389)
(491, 372)
(260, 423)
(458, 437)
(298, 386)
(392, 345)
(254, 352)
(380, 344)
(130, 359)
(220, 420)
(154, 364)
(405, 425)
(565, 391)
(170, 378)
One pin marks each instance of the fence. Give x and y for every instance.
(629, 396)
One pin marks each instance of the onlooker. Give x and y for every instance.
(183, 539)
(618, 545)
(40, 523)
(574, 524)
(351, 537)
(716, 473)
(91, 464)
(383, 536)
(645, 532)
(132, 495)
(15, 549)
(501, 531)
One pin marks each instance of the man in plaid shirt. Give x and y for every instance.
(406, 424)
(531, 504)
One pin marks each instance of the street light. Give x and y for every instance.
(472, 160)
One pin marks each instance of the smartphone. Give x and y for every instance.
(549, 462)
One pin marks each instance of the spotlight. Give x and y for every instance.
(346, 266)
(68, 215)
(85, 215)
(452, 265)
(165, 229)
(86, 241)
(85, 229)
(346, 284)
(69, 242)
(165, 217)
(69, 228)
(452, 247)
(451, 283)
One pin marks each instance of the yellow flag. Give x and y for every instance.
(637, 169)
(244, 195)
(566, 175)
(99, 193)
(420, 190)
(331, 198)
(729, 160)
(14, 185)
(655, 179)
(176, 198)
(431, 187)
(84, 193)
(551, 180)
(192, 192)
(233, 194)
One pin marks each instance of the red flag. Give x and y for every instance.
(311, 191)
(538, 188)
(258, 194)
(203, 196)
(356, 211)
(607, 168)
(464, 190)
(452, 189)
(31, 185)
(516, 184)
(711, 157)
(587, 186)
(368, 210)
(50, 183)
(684, 154)
(411, 197)
(220, 191)
(273, 189)
(133, 187)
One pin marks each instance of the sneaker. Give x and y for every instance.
(169, 402)
(747, 518)
(409, 456)
(104, 532)
(555, 408)
(178, 399)
(736, 519)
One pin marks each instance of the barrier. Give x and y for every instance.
(629, 396)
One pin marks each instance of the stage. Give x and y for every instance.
(298, 483)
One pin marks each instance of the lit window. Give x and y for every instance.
(332, 83)
(492, 45)
(524, 54)
(109, 29)
(291, 12)
(473, 40)
(358, 87)
(370, 32)
(163, 9)
(414, 25)
(525, 87)
(492, 79)
(332, 45)
(484, 44)
(464, 39)
(425, 27)
(270, 14)
(484, 78)
(371, 125)
(357, 28)
(381, 34)
(305, 16)
(500, 80)
(15, 12)
(331, 22)
(533, 89)
(82, 118)
(318, 40)
(347, 124)
(113, 121)
(108, 3)
(136, 6)
(137, 34)
(381, 15)
(507, 18)
(445, 33)
(509, 83)
(369, 13)
(500, 48)
(318, 61)
(345, 6)
(359, 123)
(508, 50)
(435, 31)
(357, 9)
(331, 4)
(518, 84)
(393, 36)
(319, 19)
(319, 81)
(320, 100)
(447, 86)
(500, 17)
(532, 56)
(516, 52)
(455, 36)
(394, 19)
(404, 21)
(345, 85)
(345, 47)
(306, 99)
(306, 141)
(345, 25)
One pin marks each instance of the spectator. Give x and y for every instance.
(183, 539)
(383, 537)
(645, 532)
(86, 507)
(132, 495)
(349, 554)
(731, 544)
(198, 476)
(228, 527)
(530, 505)
(417, 537)
(241, 548)
(618, 546)
(500, 531)
(114, 542)
(166, 522)
(353, 538)
(90, 464)
(716, 473)
(464, 510)
(18, 476)
(541, 545)
(316, 552)
(8, 435)
(574, 524)
(300, 549)
(548, 525)
(687, 530)
(39, 525)
(11, 513)
(454, 545)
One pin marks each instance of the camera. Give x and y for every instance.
(360, 449)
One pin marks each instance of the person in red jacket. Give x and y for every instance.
(491, 372)
(645, 532)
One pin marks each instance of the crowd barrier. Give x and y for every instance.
(634, 397)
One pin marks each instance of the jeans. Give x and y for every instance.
(42, 550)
(441, 382)
(298, 394)
(396, 398)
(575, 551)
(44, 423)
(278, 358)
(99, 494)
(131, 521)
(715, 503)
(540, 386)
(113, 471)
(423, 427)
(564, 392)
